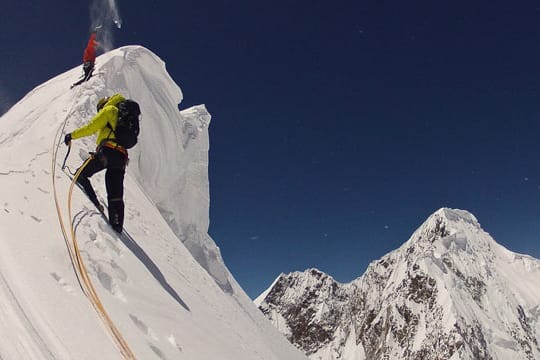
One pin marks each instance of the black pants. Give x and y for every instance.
(88, 68)
(115, 163)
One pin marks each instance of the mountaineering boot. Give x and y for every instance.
(114, 220)
(101, 208)
(116, 215)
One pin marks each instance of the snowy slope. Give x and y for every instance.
(163, 284)
(449, 292)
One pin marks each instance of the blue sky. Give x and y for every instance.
(337, 129)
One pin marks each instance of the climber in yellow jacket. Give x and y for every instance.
(107, 114)
(109, 155)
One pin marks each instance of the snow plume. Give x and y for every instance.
(103, 15)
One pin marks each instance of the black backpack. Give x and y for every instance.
(127, 125)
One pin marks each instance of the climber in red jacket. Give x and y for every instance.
(89, 58)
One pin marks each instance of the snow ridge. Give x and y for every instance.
(163, 283)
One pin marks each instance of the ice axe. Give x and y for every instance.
(67, 154)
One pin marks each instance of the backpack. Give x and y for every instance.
(127, 125)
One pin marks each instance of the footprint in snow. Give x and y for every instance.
(172, 340)
(62, 282)
(143, 327)
(92, 235)
(36, 219)
(121, 273)
(109, 283)
(107, 237)
(157, 351)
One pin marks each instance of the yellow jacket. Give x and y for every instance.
(98, 124)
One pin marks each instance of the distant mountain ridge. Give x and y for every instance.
(449, 292)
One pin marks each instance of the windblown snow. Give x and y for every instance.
(163, 283)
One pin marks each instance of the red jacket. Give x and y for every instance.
(90, 51)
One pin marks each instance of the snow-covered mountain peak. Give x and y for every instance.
(75, 289)
(449, 292)
(446, 222)
(447, 231)
(297, 284)
(312, 275)
(456, 215)
(170, 161)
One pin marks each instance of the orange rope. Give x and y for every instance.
(75, 255)
(90, 290)
(72, 256)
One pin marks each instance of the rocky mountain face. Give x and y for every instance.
(449, 292)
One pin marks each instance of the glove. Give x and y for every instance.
(67, 139)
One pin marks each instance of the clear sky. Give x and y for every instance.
(338, 127)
